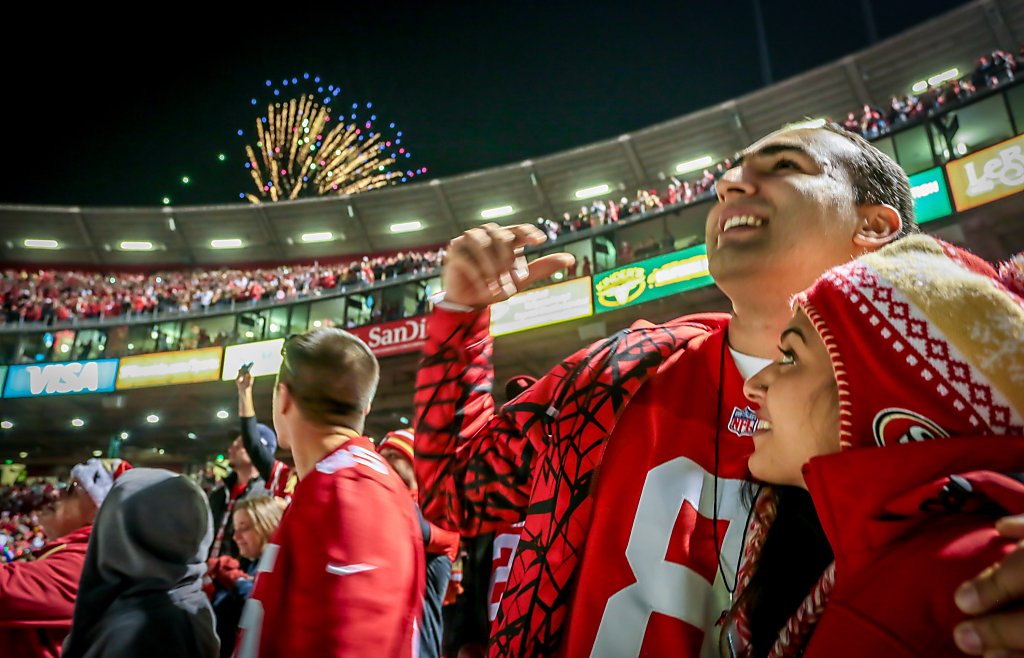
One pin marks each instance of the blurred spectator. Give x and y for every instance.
(260, 442)
(441, 546)
(140, 592)
(255, 520)
(37, 593)
(240, 482)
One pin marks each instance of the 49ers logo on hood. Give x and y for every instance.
(897, 426)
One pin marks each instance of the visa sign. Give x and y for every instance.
(394, 337)
(988, 175)
(61, 378)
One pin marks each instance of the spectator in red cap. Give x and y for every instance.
(441, 546)
(37, 598)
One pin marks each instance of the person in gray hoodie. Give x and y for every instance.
(141, 588)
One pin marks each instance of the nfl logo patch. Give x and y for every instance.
(743, 421)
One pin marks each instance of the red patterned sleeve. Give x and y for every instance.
(474, 466)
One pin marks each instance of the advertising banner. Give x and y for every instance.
(931, 195)
(652, 278)
(391, 338)
(265, 356)
(552, 304)
(987, 175)
(187, 367)
(61, 378)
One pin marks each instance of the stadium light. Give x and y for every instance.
(33, 243)
(961, 148)
(124, 436)
(588, 192)
(406, 227)
(97, 453)
(501, 211)
(810, 123)
(936, 79)
(192, 436)
(77, 422)
(138, 245)
(944, 76)
(222, 414)
(226, 243)
(152, 419)
(23, 455)
(323, 236)
(694, 165)
(6, 425)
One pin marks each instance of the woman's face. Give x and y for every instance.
(250, 543)
(799, 406)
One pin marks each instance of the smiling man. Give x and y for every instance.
(640, 558)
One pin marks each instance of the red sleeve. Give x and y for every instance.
(42, 591)
(355, 571)
(474, 467)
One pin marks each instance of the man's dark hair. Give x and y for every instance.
(878, 179)
(332, 375)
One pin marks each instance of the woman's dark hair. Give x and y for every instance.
(795, 554)
(331, 374)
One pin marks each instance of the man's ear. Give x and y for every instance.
(878, 224)
(284, 398)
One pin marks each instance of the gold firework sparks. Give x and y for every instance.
(303, 151)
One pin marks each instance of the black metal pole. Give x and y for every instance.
(762, 44)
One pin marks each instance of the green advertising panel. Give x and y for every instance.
(652, 278)
(931, 195)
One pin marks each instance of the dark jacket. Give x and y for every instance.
(141, 590)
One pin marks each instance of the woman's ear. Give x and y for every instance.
(878, 224)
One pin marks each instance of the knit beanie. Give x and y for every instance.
(401, 440)
(97, 476)
(926, 341)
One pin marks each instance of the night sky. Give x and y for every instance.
(121, 114)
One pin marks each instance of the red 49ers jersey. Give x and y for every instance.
(344, 572)
(650, 582)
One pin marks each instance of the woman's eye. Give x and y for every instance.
(787, 358)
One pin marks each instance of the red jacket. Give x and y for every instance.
(536, 458)
(905, 536)
(37, 598)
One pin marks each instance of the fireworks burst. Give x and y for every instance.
(303, 148)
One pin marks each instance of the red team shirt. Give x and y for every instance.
(344, 572)
(649, 581)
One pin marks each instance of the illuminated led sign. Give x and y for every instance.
(987, 175)
(931, 196)
(265, 356)
(394, 337)
(560, 302)
(61, 378)
(187, 367)
(652, 278)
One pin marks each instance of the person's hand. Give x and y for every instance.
(995, 598)
(486, 264)
(243, 380)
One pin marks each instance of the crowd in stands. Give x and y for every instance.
(20, 531)
(997, 68)
(48, 296)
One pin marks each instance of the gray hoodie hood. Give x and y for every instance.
(143, 571)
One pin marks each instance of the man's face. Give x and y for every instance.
(237, 455)
(70, 512)
(785, 214)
